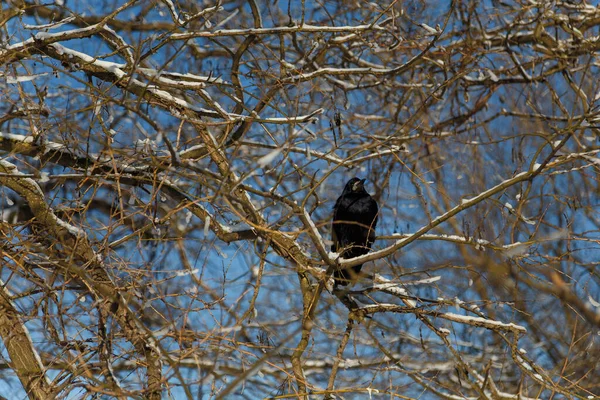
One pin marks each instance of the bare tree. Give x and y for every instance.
(168, 170)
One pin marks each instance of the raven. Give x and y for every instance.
(353, 227)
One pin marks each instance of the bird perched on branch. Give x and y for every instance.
(353, 227)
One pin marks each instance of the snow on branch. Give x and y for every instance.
(306, 28)
(462, 319)
(463, 205)
(25, 360)
(119, 73)
(109, 169)
(79, 251)
(482, 322)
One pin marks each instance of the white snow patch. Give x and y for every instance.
(371, 391)
(206, 225)
(423, 281)
(528, 221)
(44, 177)
(411, 303)
(53, 25)
(429, 29)
(187, 272)
(515, 249)
(493, 76)
(488, 323)
(19, 138)
(313, 227)
(268, 159)
(35, 353)
(73, 230)
(25, 78)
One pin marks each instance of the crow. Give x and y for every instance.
(353, 227)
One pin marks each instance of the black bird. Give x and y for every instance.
(353, 227)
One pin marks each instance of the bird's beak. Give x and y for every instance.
(358, 186)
